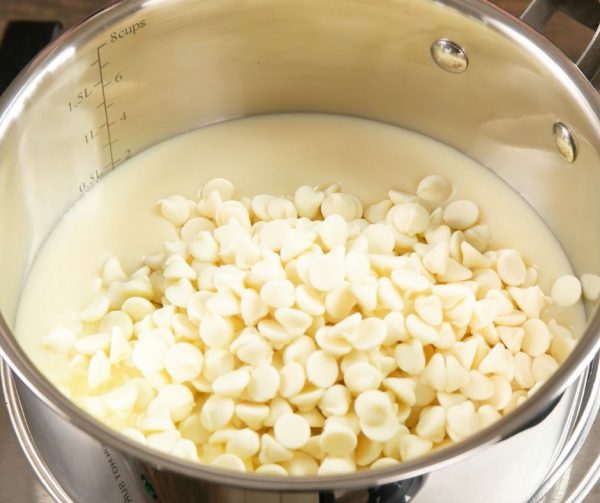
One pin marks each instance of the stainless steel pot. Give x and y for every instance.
(459, 71)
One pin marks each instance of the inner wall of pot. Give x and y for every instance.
(157, 69)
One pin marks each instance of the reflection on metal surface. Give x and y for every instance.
(37, 427)
(586, 12)
(583, 416)
(25, 93)
(27, 443)
(565, 141)
(449, 56)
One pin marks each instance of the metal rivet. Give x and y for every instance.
(565, 141)
(449, 56)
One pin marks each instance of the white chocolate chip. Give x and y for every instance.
(120, 350)
(163, 441)
(99, 370)
(327, 272)
(176, 398)
(498, 361)
(308, 201)
(561, 347)
(410, 357)
(296, 322)
(204, 247)
(434, 188)
(429, 308)
(321, 369)
(149, 354)
(536, 338)
(337, 440)
(413, 446)
(479, 237)
(410, 281)
(278, 293)
(432, 424)
(409, 218)
(231, 384)
(461, 214)
(542, 367)
(376, 213)
(530, 300)
(360, 377)
(61, 340)
(299, 350)
(273, 451)
(96, 309)
(388, 295)
(403, 388)
(194, 226)
(591, 286)
(511, 268)
(436, 259)
(217, 361)
(179, 293)
(382, 463)
(380, 238)
(373, 407)
(292, 379)
(472, 258)
(252, 414)
(292, 431)
(184, 362)
(216, 412)
(272, 341)
(370, 333)
(566, 291)
(461, 420)
(383, 432)
(222, 186)
(263, 384)
(216, 331)
(229, 462)
(434, 374)
(175, 209)
(502, 392)
(335, 401)
(244, 443)
(137, 308)
(339, 203)
(336, 466)
(334, 231)
(479, 386)
(224, 303)
(157, 420)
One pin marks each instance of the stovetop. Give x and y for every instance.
(17, 481)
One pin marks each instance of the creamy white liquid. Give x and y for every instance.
(269, 154)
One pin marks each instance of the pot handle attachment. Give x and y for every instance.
(585, 12)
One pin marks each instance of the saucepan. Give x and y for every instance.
(462, 72)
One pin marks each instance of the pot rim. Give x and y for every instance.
(527, 414)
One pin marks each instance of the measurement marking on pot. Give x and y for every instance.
(100, 83)
(110, 145)
(102, 87)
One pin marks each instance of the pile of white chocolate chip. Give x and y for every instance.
(308, 335)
